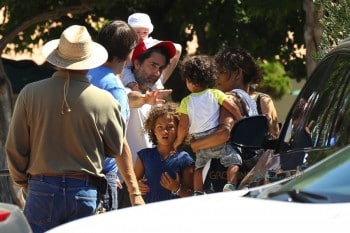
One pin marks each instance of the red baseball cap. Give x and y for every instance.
(150, 43)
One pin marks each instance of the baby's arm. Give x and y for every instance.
(173, 63)
(182, 130)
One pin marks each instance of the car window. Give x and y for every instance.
(312, 122)
(329, 181)
(339, 133)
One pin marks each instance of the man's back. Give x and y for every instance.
(56, 134)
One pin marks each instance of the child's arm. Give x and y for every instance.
(173, 63)
(139, 172)
(232, 107)
(125, 166)
(187, 180)
(182, 130)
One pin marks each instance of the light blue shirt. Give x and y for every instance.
(104, 78)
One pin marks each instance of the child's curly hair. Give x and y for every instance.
(199, 70)
(169, 109)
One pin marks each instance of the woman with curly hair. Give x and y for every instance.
(162, 172)
(237, 70)
(200, 116)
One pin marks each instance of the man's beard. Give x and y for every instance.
(144, 84)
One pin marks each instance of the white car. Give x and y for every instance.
(12, 219)
(317, 200)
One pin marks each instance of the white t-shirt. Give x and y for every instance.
(135, 135)
(203, 109)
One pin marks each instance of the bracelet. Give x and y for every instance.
(136, 194)
(229, 125)
(177, 191)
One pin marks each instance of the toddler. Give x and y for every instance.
(200, 117)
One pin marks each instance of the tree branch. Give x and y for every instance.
(56, 14)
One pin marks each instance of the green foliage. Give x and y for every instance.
(259, 26)
(335, 23)
(276, 82)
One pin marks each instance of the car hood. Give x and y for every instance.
(218, 212)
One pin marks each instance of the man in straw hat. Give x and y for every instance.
(61, 130)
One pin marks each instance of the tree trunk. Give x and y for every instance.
(312, 34)
(8, 192)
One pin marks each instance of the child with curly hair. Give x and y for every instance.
(162, 172)
(200, 117)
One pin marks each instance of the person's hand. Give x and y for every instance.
(136, 200)
(144, 188)
(119, 184)
(169, 183)
(164, 93)
(157, 97)
(133, 86)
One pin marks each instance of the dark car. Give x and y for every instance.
(315, 127)
(326, 182)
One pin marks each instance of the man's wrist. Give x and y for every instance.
(136, 194)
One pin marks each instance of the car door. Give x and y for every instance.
(315, 126)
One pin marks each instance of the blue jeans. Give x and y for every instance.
(110, 199)
(52, 201)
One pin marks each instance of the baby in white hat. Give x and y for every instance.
(142, 24)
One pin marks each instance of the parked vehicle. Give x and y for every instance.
(317, 200)
(315, 127)
(325, 182)
(12, 219)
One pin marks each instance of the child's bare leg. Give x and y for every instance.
(232, 178)
(197, 181)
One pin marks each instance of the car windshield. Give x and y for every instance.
(326, 182)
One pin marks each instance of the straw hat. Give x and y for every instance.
(75, 50)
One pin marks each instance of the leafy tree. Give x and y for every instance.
(17, 27)
(276, 82)
(335, 23)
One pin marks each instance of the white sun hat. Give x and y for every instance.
(140, 20)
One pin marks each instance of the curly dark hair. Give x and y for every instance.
(169, 109)
(199, 70)
(232, 59)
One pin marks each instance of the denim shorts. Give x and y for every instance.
(226, 153)
(52, 201)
